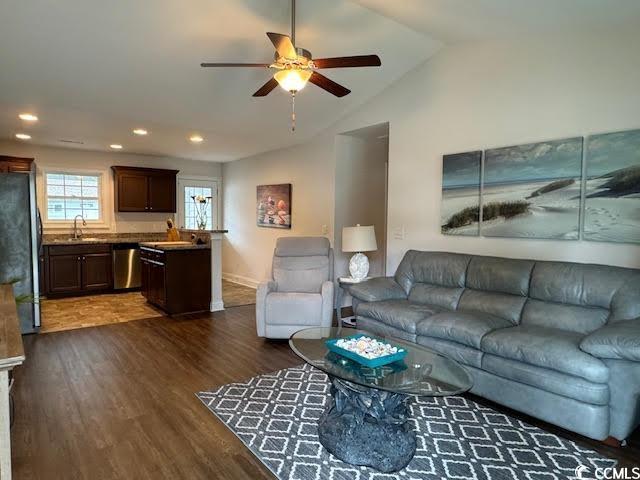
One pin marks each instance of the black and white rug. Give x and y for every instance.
(276, 415)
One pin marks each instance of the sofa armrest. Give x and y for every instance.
(377, 289)
(618, 340)
(264, 289)
(328, 301)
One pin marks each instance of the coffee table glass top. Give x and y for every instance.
(422, 372)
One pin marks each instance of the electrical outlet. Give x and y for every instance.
(325, 229)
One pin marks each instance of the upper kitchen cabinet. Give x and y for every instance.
(145, 189)
(15, 164)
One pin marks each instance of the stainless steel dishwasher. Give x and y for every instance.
(126, 266)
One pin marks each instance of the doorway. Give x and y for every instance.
(362, 164)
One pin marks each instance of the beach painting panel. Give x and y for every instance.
(612, 195)
(273, 205)
(533, 190)
(460, 194)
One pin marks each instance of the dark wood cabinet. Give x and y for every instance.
(177, 281)
(15, 164)
(65, 274)
(132, 192)
(96, 271)
(77, 269)
(144, 189)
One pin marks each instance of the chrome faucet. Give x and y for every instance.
(77, 235)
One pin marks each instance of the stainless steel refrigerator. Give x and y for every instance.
(20, 242)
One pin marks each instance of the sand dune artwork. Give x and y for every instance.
(533, 190)
(461, 193)
(612, 196)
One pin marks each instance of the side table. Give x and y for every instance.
(344, 284)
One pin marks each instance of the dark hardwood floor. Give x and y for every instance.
(117, 401)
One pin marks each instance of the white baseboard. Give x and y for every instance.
(246, 281)
(216, 306)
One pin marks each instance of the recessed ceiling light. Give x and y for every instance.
(116, 146)
(28, 117)
(23, 136)
(196, 138)
(140, 131)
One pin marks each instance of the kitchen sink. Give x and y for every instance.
(83, 239)
(171, 243)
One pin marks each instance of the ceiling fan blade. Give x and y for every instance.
(329, 85)
(266, 65)
(266, 88)
(283, 45)
(346, 62)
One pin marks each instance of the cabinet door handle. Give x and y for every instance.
(150, 208)
(78, 258)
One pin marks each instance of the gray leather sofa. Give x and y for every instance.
(556, 340)
(300, 293)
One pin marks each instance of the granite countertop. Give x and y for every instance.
(94, 240)
(167, 246)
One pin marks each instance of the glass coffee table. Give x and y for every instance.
(367, 419)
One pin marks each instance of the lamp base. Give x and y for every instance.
(359, 266)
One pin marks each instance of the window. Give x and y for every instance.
(187, 210)
(68, 195)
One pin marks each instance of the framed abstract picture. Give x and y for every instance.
(533, 190)
(612, 196)
(274, 205)
(459, 211)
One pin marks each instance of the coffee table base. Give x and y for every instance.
(367, 426)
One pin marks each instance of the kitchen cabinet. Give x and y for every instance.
(15, 164)
(177, 281)
(144, 189)
(77, 269)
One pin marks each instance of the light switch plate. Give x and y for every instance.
(398, 233)
(325, 229)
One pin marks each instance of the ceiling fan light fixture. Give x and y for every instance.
(292, 79)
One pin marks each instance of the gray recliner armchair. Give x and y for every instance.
(300, 294)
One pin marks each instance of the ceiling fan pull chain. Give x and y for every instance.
(293, 111)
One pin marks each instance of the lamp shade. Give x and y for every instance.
(359, 239)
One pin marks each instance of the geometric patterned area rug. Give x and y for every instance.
(276, 415)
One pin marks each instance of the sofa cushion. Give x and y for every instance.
(467, 328)
(460, 353)
(503, 275)
(436, 268)
(378, 328)
(548, 348)
(501, 305)
(577, 284)
(288, 308)
(401, 314)
(573, 318)
(549, 380)
(445, 297)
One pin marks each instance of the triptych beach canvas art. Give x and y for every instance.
(536, 190)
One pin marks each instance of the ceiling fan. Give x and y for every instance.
(295, 66)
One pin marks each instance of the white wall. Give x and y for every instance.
(75, 159)
(247, 248)
(468, 96)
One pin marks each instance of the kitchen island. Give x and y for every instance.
(176, 276)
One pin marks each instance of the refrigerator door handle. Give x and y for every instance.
(40, 230)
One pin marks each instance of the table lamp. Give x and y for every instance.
(359, 239)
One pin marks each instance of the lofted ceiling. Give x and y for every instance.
(453, 21)
(93, 71)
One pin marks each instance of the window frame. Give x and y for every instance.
(214, 182)
(104, 221)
